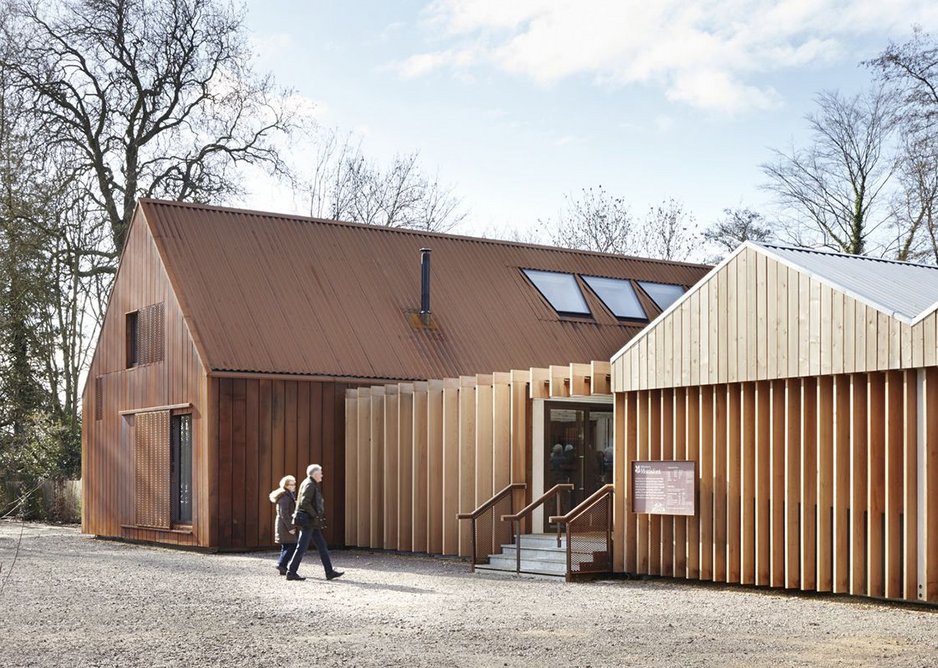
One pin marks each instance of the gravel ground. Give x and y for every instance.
(72, 600)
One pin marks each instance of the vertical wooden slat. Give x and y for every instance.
(763, 483)
(450, 467)
(420, 467)
(435, 467)
(792, 483)
(351, 466)
(654, 453)
(622, 537)
(405, 480)
(644, 531)
(733, 483)
(749, 425)
(929, 549)
(808, 483)
(894, 469)
(841, 477)
(910, 484)
(693, 454)
(719, 483)
(707, 476)
(858, 494)
(777, 496)
(467, 460)
(825, 482)
(667, 453)
(392, 494)
(485, 485)
(375, 466)
(876, 452)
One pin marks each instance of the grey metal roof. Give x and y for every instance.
(902, 289)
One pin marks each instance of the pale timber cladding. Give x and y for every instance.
(813, 418)
(417, 454)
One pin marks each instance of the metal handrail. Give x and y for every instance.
(574, 513)
(553, 492)
(475, 514)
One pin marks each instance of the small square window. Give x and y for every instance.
(618, 295)
(663, 294)
(560, 290)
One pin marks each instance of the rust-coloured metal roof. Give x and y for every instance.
(274, 293)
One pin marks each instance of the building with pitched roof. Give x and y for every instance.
(231, 336)
(802, 387)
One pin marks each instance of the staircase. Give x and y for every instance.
(539, 556)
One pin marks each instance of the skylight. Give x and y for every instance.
(663, 294)
(560, 290)
(618, 295)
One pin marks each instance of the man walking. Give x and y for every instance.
(310, 516)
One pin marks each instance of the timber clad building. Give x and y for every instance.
(798, 390)
(231, 337)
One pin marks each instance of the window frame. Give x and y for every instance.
(132, 338)
(622, 318)
(585, 315)
(642, 285)
(178, 466)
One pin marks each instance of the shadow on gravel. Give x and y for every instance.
(369, 586)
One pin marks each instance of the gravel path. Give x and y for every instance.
(72, 600)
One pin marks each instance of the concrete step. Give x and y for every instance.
(503, 563)
(546, 540)
(535, 553)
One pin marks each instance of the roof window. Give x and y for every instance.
(618, 295)
(663, 294)
(560, 290)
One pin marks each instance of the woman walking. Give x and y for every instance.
(284, 531)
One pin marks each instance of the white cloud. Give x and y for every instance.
(707, 54)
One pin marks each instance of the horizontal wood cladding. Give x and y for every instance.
(813, 484)
(759, 319)
(108, 474)
(266, 429)
(418, 454)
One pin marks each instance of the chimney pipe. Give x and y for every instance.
(425, 285)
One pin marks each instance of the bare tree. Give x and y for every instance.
(669, 232)
(736, 226)
(153, 98)
(911, 71)
(346, 185)
(834, 186)
(594, 221)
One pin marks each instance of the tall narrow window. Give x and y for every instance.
(181, 468)
(132, 338)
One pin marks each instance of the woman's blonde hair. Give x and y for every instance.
(286, 479)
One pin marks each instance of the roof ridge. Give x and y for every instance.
(827, 251)
(411, 231)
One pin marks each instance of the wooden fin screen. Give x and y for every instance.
(151, 452)
(98, 397)
(445, 446)
(805, 483)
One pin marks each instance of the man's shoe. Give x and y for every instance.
(282, 569)
(335, 574)
(294, 576)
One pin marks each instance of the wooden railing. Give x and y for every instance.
(485, 515)
(552, 493)
(588, 527)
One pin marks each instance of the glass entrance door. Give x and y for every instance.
(578, 449)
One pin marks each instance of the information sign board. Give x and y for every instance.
(664, 487)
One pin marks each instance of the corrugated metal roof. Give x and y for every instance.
(284, 294)
(901, 289)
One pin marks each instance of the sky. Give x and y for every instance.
(516, 104)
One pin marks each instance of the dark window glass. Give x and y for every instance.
(618, 295)
(663, 294)
(132, 351)
(560, 290)
(180, 430)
